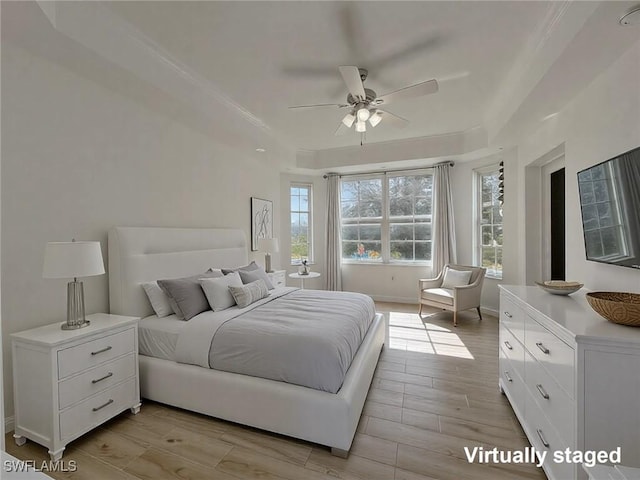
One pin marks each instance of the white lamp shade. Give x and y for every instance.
(361, 127)
(375, 118)
(363, 114)
(269, 245)
(72, 259)
(348, 120)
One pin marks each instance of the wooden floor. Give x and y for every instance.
(434, 392)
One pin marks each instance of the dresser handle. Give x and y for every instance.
(508, 345)
(541, 346)
(95, 409)
(110, 374)
(542, 439)
(105, 349)
(508, 314)
(542, 391)
(507, 376)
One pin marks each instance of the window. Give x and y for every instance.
(387, 218)
(489, 221)
(301, 234)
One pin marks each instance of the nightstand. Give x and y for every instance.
(67, 382)
(278, 278)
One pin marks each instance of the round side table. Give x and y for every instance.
(304, 277)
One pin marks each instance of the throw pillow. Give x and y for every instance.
(252, 266)
(455, 278)
(217, 291)
(158, 299)
(185, 295)
(249, 276)
(249, 293)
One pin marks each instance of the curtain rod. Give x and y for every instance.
(448, 162)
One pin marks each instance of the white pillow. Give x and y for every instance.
(456, 278)
(158, 299)
(217, 290)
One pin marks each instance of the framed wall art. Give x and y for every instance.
(261, 220)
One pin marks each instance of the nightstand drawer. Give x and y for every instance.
(95, 380)
(86, 355)
(278, 278)
(92, 412)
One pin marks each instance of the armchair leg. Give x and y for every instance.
(455, 318)
(479, 314)
(420, 311)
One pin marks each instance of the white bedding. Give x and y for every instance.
(157, 337)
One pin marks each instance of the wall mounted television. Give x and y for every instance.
(610, 205)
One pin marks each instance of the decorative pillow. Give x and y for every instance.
(158, 299)
(455, 278)
(217, 291)
(249, 276)
(252, 266)
(249, 293)
(185, 295)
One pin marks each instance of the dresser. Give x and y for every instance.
(67, 382)
(278, 278)
(572, 377)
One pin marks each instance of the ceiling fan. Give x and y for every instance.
(364, 102)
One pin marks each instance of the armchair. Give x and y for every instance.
(452, 297)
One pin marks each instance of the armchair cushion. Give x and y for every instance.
(456, 278)
(440, 295)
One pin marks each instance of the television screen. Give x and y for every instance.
(610, 204)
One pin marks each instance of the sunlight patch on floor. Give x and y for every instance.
(408, 332)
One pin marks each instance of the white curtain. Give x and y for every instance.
(334, 242)
(443, 240)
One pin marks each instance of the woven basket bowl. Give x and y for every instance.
(617, 307)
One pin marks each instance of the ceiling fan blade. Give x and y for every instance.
(339, 105)
(405, 54)
(351, 76)
(418, 90)
(393, 120)
(341, 130)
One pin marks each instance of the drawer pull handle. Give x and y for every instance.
(541, 346)
(105, 349)
(507, 376)
(110, 374)
(542, 439)
(542, 391)
(508, 345)
(95, 409)
(508, 314)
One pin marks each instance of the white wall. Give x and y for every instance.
(601, 122)
(78, 159)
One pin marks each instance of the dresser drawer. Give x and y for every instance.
(97, 409)
(86, 355)
(513, 349)
(512, 317)
(95, 380)
(556, 357)
(545, 439)
(552, 400)
(512, 384)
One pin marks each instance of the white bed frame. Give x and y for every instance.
(142, 254)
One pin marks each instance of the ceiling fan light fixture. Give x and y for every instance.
(363, 114)
(361, 127)
(348, 120)
(375, 118)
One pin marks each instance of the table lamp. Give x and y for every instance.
(72, 260)
(269, 246)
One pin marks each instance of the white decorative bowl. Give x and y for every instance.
(559, 287)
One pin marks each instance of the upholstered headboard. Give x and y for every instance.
(145, 254)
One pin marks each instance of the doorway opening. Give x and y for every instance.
(557, 230)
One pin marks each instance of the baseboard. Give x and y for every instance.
(9, 424)
(490, 311)
(384, 298)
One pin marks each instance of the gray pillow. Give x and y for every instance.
(249, 293)
(252, 266)
(185, 294)
(249, 276)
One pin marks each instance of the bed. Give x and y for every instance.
(143, 254)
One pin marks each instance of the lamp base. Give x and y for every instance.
(267, 263)
(75, 326)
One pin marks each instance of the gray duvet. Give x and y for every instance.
(304, 337)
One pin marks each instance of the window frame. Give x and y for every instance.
(479, 173)
(309, 212)
(385, 221)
